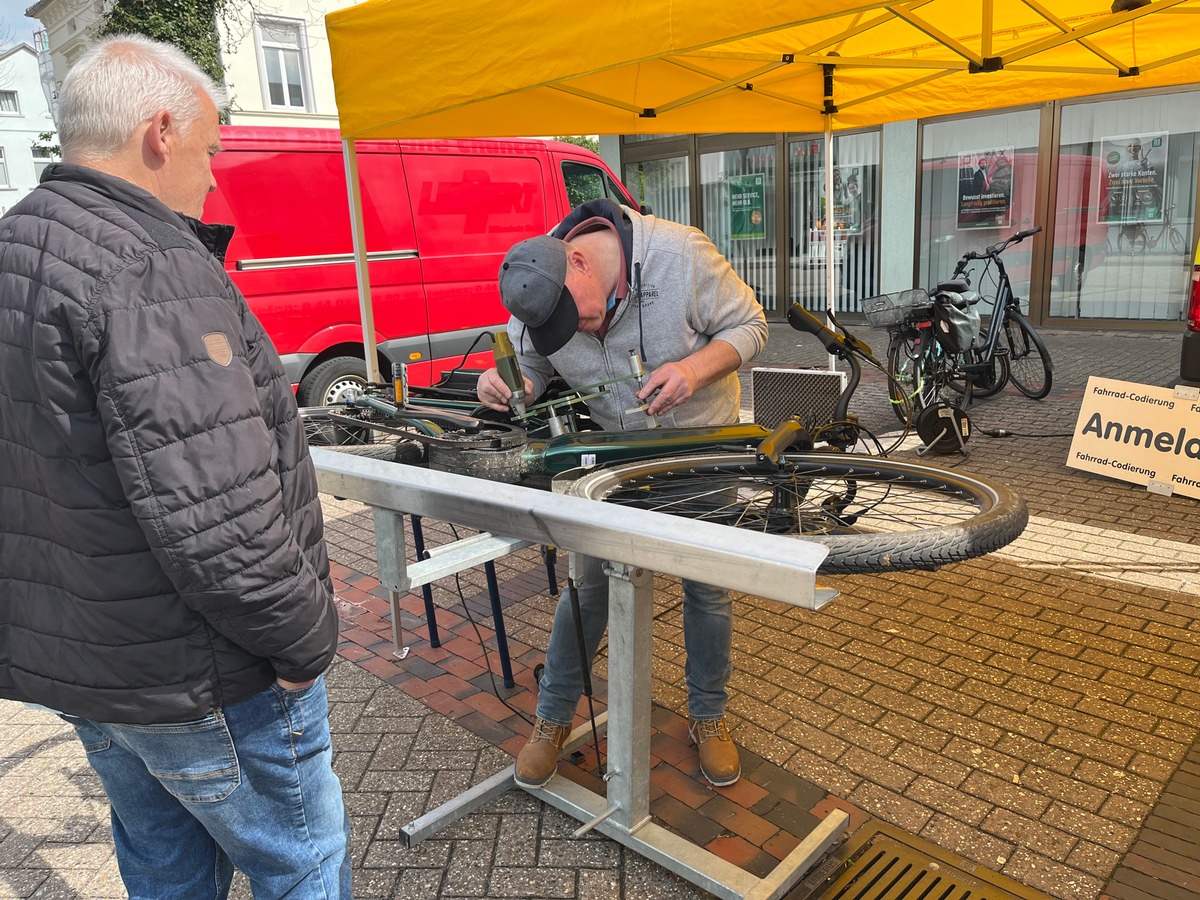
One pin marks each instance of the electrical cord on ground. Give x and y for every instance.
(482, 644)
(585, 669)
(1004, 432)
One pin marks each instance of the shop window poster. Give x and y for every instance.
(985, 188)
(747, 207)
(1133, 173)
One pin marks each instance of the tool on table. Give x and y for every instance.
(510, 371)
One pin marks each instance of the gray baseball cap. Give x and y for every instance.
(533, 288)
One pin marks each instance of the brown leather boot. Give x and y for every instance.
(538, 760)
(718, 753)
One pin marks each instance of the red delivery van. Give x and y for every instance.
(438, 218)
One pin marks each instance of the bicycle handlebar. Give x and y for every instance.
(802, 320)
(995, 249)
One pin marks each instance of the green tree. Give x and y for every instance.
(46, 141)
(191, 25)
(586, 141)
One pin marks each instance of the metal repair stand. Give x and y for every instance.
(776, 567)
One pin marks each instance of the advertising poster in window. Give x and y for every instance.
(747, 207)
(985, 188)
(1133, 174)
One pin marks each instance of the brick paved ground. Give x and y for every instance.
(1035, 712)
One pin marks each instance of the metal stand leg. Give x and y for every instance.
(489, 570)
(624, 814)
(426, 592)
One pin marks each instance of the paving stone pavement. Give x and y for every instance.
(1035, 712)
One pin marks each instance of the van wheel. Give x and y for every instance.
(328, 383)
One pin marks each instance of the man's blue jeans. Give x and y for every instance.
(250, 786)
(707, 637)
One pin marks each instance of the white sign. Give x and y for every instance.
(1138, 433)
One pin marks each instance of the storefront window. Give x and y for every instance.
(1125, 202)
(662, 185)
(978, 186)
(739, 214)
(855, 219)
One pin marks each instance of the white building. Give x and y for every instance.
(24, 115)
(277, 64)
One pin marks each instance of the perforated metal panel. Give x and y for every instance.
(780, 394)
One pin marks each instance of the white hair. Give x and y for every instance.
(122, 82)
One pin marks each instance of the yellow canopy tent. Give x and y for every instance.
(471, 68)
(429, 68)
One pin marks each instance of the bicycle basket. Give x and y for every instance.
(955, 326)
(886, 310)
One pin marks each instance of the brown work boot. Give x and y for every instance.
(538, 760)
(718, 753)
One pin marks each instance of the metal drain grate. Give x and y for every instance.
(883, 863)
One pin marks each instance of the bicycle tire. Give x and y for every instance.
(891, 514)
(1177, 242)
(909, 385)
(1029, 366)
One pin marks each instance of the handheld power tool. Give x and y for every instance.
(510, 371)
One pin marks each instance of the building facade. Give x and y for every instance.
(277, 64)
(1112, 181)
(24, 117)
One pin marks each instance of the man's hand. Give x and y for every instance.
(675, 383)
(494, 393)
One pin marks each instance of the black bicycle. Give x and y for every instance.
(1011, 350)
(934, 347)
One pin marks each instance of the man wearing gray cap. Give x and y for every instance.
(606, 282)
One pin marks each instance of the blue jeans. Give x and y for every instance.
(250, 786)
(707, 637)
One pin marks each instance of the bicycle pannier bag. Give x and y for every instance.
(956, 326)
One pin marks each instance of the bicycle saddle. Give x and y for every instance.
(957, 286)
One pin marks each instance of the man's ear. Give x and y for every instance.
(158, 134)
(577, 260)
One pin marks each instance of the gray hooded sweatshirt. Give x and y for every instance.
(683, 294)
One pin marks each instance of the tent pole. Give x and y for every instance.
(361, 272)
(830, 268)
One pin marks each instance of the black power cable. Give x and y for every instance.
(1004, 432)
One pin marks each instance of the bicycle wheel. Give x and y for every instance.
(873, 514)
(1029, 365)
(910, 383)
(321, 431)
(1132, 239)
(1177, 242)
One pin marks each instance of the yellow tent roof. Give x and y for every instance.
(431, 68)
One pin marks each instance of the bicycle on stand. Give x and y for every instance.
(873, 513)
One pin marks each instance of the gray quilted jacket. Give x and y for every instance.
(161, 549)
